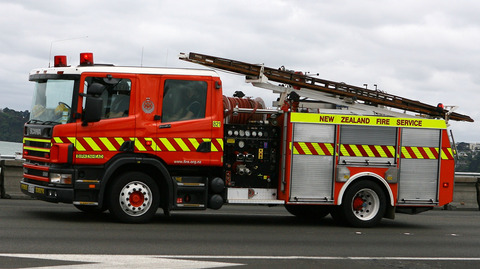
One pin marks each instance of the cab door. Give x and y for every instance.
(97, 142)
(184, 133)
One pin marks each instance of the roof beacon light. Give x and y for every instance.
(60, 61)
(86, 58)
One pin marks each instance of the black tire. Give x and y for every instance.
(134, 197)
(337, 214)
(363, 204)
(89, 209)
(310, 212)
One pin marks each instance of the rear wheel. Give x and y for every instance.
(315, 212)
(364, 204)
(134, 197)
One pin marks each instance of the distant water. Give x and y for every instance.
(10, 148)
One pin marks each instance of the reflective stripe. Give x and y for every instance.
(92, 144)
(426, 153)
(141, 144)
(36, 140)
(309, 148)
(379, 151)
(108, 144)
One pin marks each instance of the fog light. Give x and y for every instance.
(52, 193)
(60, 178)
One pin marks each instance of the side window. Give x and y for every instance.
(115, 97)
(184, 100)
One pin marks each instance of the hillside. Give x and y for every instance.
(11, 124)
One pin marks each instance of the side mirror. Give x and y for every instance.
(93, 110)
(93, 104)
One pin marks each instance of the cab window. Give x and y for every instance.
(183, 100)
(115, 97)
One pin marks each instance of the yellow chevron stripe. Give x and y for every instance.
(220, 142)
(405, 153)
(305, 148)
(213, 148)
(380, 151)
(107, 144)
(417, 152)
(58, 140)
(292, 148)
(119, 140)
(78, 145)
(330, 148)
(194, 142)
(444, 155)
(92, 144)
(369, 151)
(139, 145)
(343, 151)
(167, 144)
(429, 153)
(318, 149)
(356, 151)
(182, 144)
(392, 150)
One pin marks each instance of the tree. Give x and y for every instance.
(11, 124)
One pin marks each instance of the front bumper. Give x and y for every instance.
(46, 193)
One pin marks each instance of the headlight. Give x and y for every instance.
(61, 178)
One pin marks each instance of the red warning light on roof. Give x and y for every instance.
(86, 58)
(60, 61)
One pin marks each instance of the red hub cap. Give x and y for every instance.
(358, 203)
(136, 199)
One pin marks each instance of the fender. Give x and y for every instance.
(135, 160)
(365, 174)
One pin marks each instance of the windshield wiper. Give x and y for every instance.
(33, 121)
(49, 122)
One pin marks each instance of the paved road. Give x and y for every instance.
(35, 233)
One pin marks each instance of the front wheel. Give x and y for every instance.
(134, 197)
(364, 204)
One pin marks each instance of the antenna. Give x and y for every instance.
(60, 40)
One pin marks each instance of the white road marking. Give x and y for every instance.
(319, 258)
(191, 261)
(121, 261)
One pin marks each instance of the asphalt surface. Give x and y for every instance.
(35, 233)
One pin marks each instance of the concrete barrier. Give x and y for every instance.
(465, 196)
(10, 175)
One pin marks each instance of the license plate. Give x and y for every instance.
(31, 188)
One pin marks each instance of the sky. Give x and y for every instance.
(421, 50)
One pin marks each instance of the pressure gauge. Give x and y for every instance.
(247, 133)
(230, 133)
(260, 133)
(241, 144)
(242, 133)
(254, 133)
(235, 133)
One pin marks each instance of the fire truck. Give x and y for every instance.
(132, 140)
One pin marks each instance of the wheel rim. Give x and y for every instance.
(365, 204)
(135, 198)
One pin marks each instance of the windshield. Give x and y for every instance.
(52, 101)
